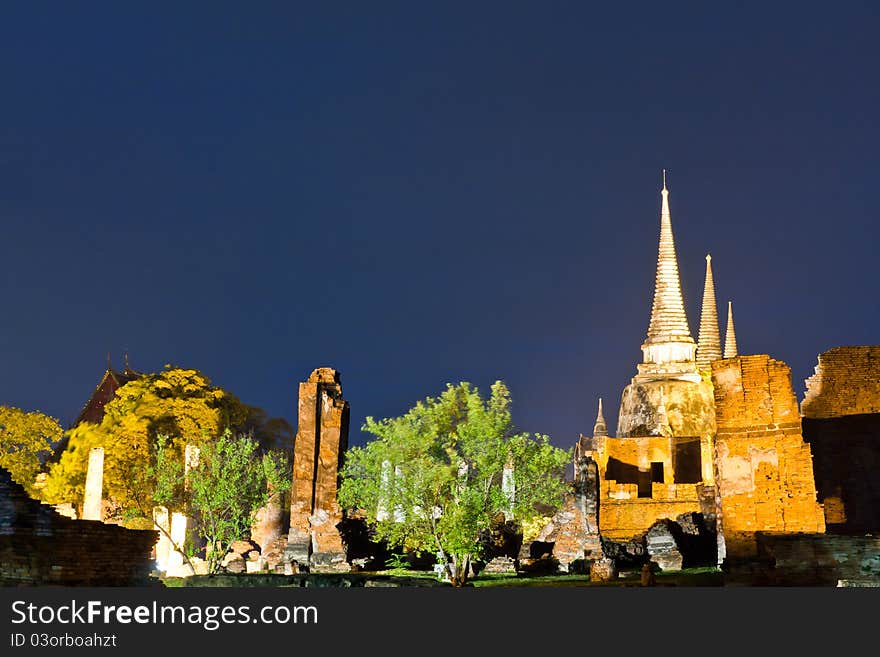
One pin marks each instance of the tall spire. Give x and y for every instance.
(600, 429)
(669, 337)
(709, 345)
(730, 335)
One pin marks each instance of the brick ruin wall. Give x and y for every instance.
(39, 546)
(321, 441)
(623, 514)
(819, 560)
(574, 529)
(764, 469)
(846, 382)
(841, 421)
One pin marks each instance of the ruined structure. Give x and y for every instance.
(314, 540)
(764, 467)
(841, 422)
(39, 546)
(574, 530)
(660, 463)
(707, 444)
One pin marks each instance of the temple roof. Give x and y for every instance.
(93, 410)
(111, 381)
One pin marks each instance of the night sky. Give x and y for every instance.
(422, 193)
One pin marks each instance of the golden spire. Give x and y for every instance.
(668, 330)
(709, 344)
(730, 335)
(600, 428)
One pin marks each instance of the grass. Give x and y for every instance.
(689, 577)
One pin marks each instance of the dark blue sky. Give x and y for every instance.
(422, 193)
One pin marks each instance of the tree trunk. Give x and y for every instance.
(459, 573)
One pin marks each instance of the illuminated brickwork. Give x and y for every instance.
(846, 382)
(764, 469)
(841, 421)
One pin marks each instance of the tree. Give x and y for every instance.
(25, 440)
(181, 404)
(226, 488)
(434, 477)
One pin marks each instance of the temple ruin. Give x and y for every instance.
(717, 439)
(314, 541)
(764, 467)
(660, 463)
(841, 422)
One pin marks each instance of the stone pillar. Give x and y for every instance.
(321, 441)
(267, 523)
(508, 487)
(163, 546)
(92, 507)
(178, 536)
(399, 512)
(382, 509)
(190, 461)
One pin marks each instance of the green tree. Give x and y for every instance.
(226, 488)
(434, 477)
(25, 440)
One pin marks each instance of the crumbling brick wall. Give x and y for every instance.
(816, 559)
(630, 501)
(764, 469)
(39, 546)
(574, 530)
(841, 421)
(846, 382)
(321, 441)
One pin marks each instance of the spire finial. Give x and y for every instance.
(668, 323)
(600, 428)
(709, 342)
(126, 360)
(108, 362)
(730, 350)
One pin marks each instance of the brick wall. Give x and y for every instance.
(623, 514)
(820, 559)
(764, 469)
(846, 382)
(841, 421)
(39, 546)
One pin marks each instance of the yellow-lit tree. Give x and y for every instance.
(181, 404)
(25, 440)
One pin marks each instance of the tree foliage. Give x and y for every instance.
(25, 440)
(227, 487)
(434, 477)
(178, 403)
